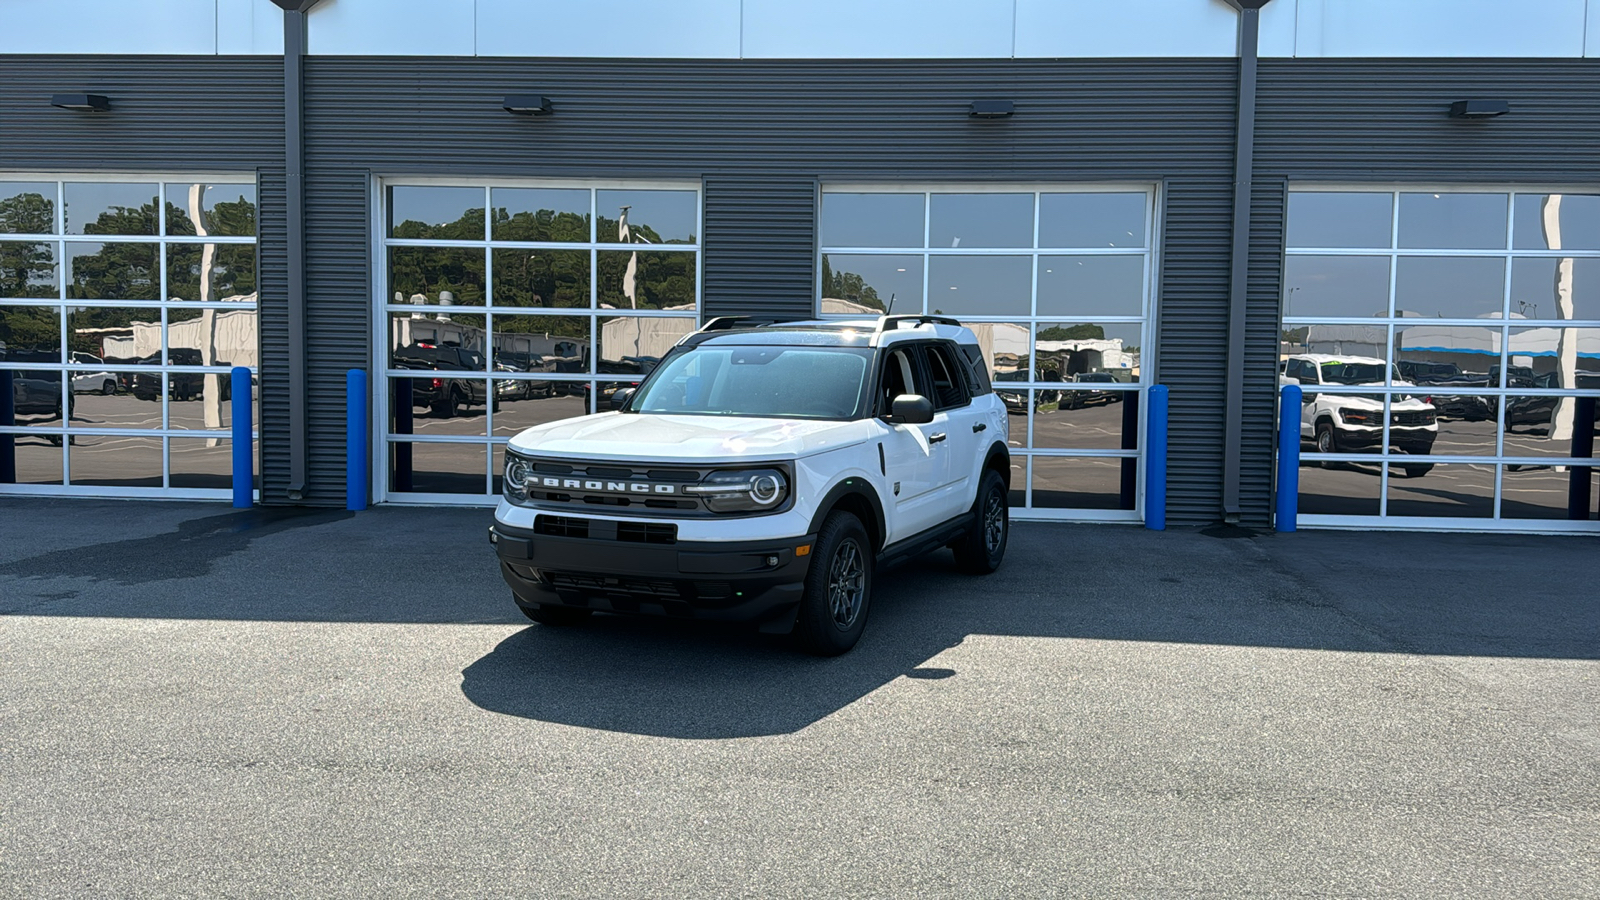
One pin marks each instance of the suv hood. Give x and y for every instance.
(667, 438)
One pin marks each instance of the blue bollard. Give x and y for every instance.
(244, 469)
(355, 439)
(1288, 500)
(1155, 490)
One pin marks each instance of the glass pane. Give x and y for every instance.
(632, 345)
(443, 346)
(647, 217)
(35, 397)
(1005, 347)
(214, 210)
(116, 460)
(1469, 430)
(541, 278)
(548, 345)
(1448, 358)
(980, 285)
(1449, 287)
(440, 405)
(37, 458)
(1334, 219)
(1538, 285)
(1453, 221)
(1575, 219)
(1083, 483)
(1339, 489)
(1550, 427)
(1086, 352)
(646, 280)
(210, 403)
(1554, 358)
(107, 208)
(1464, 490)
(119, 335)
(436, 275)
(211, 336)
(450, 213)
(203, 463)
(1091, 285)
(540, 214)
(1089, 221)
(30, 334)
(95, 407)
(1100, 419)
(1342, 424)
(870, 285)
(113, 272)
(1541, 492)
(526, 403)
(1355, 342)
(432, 468)
(28, 270)
(27, 207)
(981, 220)
(230, 272)
(872, 220)
(1336, 286)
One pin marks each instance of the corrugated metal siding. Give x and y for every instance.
(338, 317)
(760, 249)
(272, 250)
(758, 133)
(1259, 437)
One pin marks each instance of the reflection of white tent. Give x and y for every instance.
(1346, 340)
(229, 340)
(643, 335)
(1090, 355)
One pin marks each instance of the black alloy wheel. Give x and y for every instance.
(838, 587)
(982, 549)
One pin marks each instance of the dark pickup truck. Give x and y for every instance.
(450, 389)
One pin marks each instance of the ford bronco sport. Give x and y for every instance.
(763, 472)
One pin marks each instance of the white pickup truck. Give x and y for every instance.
(1353, 423)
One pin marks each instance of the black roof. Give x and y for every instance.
(781, 335)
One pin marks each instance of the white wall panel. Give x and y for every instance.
(615, 28)
(1459, 28)
(398, 27)
(1047, 28)
(1278, 20)
(876, 29)
(249, 26)
(108, 26)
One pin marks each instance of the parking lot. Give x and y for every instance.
(203, 702)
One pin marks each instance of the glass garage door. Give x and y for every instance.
(124, 303)
(505, 306)
(1056, 284)
(1448, 346)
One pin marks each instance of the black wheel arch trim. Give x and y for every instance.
(853, 487)
(998, 451)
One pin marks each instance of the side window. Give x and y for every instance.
(898, 378)
(977, 372)
(949, 386)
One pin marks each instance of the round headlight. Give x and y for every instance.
(517, 472)
(764, 489)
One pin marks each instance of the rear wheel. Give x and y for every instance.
(556, 616)
(109, 387)
(838, 588)
(1416, 470)
(984, 546)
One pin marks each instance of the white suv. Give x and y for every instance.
(1353, 423)
(762, 473)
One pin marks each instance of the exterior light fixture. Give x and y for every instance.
(81, 102)
(1478, 109)
(527, 105)
(991, 109)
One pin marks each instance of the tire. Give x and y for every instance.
(838, 588)
(556, 616)
(449, 407)
(1326, 442)
(108, 388)
(984, 546)
(1416, 470)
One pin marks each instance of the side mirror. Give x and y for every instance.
(910, 409)
(620, 398)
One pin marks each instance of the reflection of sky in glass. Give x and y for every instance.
(1533, 289)
(980, 285)
(1090, 221)
(1091, 285)
(871, 220)
(1451, 287)
(671, 214)
(1453, 221)
(899, 277)
(87, 201)
(1337, 219)
(1579, 220)
(981, 220)
(512, 202)
(1336, 286)
(431, 205)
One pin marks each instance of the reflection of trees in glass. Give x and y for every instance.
(1296, 335)
(849, 286)
(541, 278)
(560, 326)
(542, 225)
(27, 214)
(235, 218)
(429, 270)
(467, 228)
(26, 269)
(664, 279)
(606, 229)
(29, 330)
(116, 272)
(233, 271)
(1081, 332)
(124, 220)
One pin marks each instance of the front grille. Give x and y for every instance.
(603, 530)
(1415, 417)
(616, 487)
(561, 526)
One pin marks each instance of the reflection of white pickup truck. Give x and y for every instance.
(1353, 423)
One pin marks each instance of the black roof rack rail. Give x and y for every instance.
(890, 323)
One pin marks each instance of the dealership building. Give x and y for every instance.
(503, 211)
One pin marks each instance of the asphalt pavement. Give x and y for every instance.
(206, 702)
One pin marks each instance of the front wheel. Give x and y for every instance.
(838, 588)
(1416, 470)
(984, 546)
(109, 388)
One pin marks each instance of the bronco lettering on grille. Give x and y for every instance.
(619, 487)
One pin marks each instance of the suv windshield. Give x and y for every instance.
(1353, 373)
(767, 381)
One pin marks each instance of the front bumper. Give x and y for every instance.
(747, 581)
(1416, 441)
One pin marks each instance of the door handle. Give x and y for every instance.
(978, 427)
(936, 438)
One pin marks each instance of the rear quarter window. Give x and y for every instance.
(977, 371)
